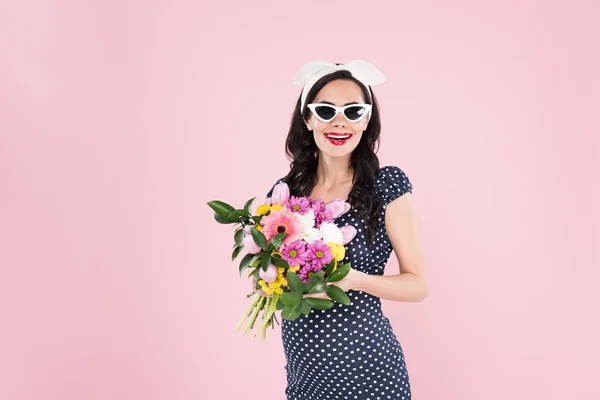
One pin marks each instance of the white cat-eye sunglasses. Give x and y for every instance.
(327, 112)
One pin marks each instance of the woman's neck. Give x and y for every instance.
(334, 171)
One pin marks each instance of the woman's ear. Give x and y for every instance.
(307, 123)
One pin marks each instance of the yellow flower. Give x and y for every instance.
(274, 284)
(276, 207)
(338, 251)
(276, 252)
(294, 268)
(263, 209)
(334, 266)
(259, 227)
(279, 290)
(267, 290)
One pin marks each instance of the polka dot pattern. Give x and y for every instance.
(351, 352)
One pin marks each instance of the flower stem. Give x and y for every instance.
(259, 307)
(250, 309)
(268, 314)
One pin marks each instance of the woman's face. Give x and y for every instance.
(339, 93)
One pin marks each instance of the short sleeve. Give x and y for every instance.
(392, 183)
(270, 192)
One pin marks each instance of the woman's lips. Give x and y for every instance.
(337, 139)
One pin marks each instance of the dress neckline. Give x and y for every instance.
(331, 201)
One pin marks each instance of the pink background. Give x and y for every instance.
(120, 120)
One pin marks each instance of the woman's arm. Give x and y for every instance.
(402, 226)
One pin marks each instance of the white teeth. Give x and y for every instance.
(338, 137)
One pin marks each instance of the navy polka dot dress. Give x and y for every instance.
(351, 352)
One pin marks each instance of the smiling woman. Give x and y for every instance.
(351, 351)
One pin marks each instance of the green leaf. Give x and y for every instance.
(257, 219)
(239, 237)
(305, 308)
(278, 239)
(313, 280)
(330, 267)
(221, 220)
(339, 274)
(236, 252)
(265, 261)
(259, 238)
(291, 313)
(255, 260)
(280, 305)
(239, 215)
(221, 208)
(294, 282)
(319, 304)
(337, 294)
(244, 262)
(249, 204)
(320, 287)
(291, 299)
(277, 261)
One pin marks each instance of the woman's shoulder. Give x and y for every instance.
(392, 182)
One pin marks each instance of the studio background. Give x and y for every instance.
(119, 121)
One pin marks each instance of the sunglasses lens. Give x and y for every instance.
(325, 112)
(354, 113)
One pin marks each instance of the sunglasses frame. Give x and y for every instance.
(338, 110)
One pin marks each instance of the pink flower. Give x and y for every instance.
(282, 221)
(348, 231)
(337, 207)
(322, 213)
(301, 205)
(295, 253)
(320, 253)
(250, 245)
(307, 268)
(269, 275)
(281, 194)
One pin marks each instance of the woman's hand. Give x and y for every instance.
(259, 291)
(352, 281)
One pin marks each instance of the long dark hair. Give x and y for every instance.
(303, 153)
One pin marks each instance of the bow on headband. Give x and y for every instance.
(312, 71)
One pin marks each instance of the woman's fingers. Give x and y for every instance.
(259, 290)
(318, 295)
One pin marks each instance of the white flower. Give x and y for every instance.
(331, 233)
(312, 234)
(307, 220)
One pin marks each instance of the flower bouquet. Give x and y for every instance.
(292, 248)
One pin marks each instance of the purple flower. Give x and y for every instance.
(303, 272)
(319, 253)
(301, 205)
(318, 205)
(322, 213)
(308, 269)
(295, 253)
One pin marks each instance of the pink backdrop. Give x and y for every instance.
(120, 120)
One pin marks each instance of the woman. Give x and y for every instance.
(351, 352)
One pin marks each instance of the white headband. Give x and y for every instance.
(312, 71)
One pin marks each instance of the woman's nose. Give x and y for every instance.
(339, 120)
